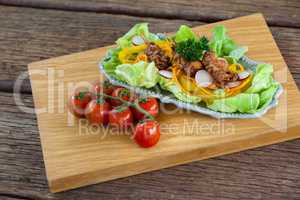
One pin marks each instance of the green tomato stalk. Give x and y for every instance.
(128, 103)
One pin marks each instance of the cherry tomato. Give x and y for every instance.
(122, 93)
(102, 87)
(148, 104)
(97, 111)
(147, 133)
(78, 101)
(121, 116)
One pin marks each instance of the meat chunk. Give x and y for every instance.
(190, 68)
(210, 58)
(218, 69)
(157, 55)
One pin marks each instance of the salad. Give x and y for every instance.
(197, 70)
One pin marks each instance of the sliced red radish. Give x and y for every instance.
(203, 78)
(166, 74)
(244, 74)
(233, 84)
(137, 40)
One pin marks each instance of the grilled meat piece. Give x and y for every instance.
(157, 55)
(190, 68)
(218, 69)
(221, 77)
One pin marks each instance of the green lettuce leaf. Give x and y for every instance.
(141, 74)
(262, 78)
(112, 61)
(228, 45)
(171, 86)
(184, 33)
(222, 45)
(140, 29)
(218, 38)
(243, 103)
(267, 95)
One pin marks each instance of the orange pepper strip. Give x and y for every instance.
(189, 86)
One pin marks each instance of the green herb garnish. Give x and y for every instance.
(191, 49)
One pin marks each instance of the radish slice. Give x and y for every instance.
(166, 74)
(137, 40)
(244, 74)
(203, 78)
(233, 84)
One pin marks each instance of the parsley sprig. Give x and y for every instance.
(192, 49)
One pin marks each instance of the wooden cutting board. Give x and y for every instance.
(76, 155)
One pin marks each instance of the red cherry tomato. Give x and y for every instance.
(97, 111)
(147, 133)
(102, 87)
(121, 116)
(122, 93)
(78, 101)
(148, 104)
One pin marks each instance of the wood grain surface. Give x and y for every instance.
(277, 12)
(268, 171)
(265, 173)
(49, 33)
(75, 156)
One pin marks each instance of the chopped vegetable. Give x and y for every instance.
(166, 74)
(203, 78)
(237, 68)
(138, 40)
(244, 74)
(233, 84)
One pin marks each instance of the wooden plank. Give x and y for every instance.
(34, 34)
(29, 35)
(277, 12)
(259, 173)
(76, 161)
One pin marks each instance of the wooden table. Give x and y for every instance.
(32, 30)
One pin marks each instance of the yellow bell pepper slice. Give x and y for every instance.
(129, 54)
(237, 68)
(246, 83)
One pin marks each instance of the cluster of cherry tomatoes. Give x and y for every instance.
(109, 105)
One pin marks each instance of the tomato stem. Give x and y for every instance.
(128, 103)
